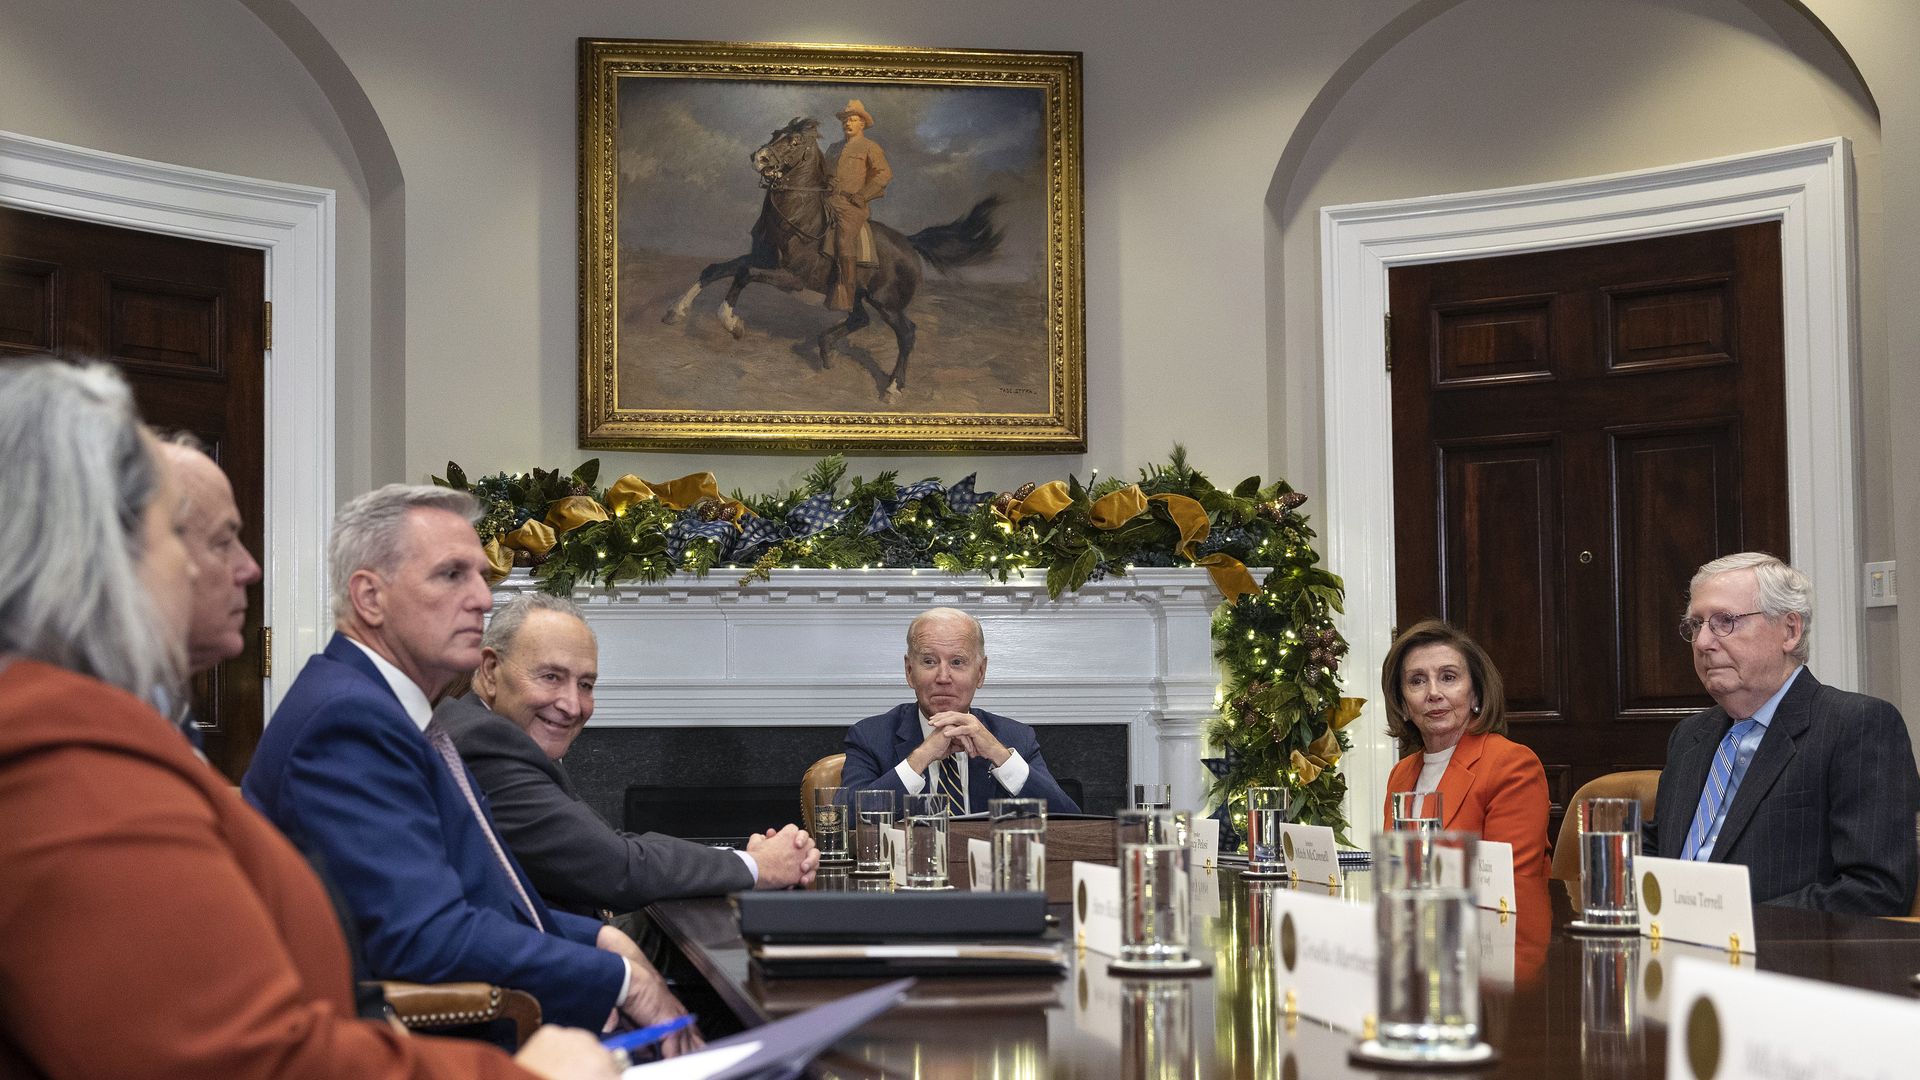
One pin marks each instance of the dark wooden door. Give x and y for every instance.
(184, 321)
(1574, 432)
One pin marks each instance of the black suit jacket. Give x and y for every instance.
(878, 743)
(577, 861)
(1823, 818)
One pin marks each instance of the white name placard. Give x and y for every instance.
(1311, 855)
(1499, 936)
(980, 864)
(1493, 876)
(1324, 955)
(1096, 907)
(1703, 902)
(1204, 892)
(897, 856)
(1206, 843)
(1731, 1023)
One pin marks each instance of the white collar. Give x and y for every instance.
(412, 698)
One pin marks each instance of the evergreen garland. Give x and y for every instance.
(1281, 710)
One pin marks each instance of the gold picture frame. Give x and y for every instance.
(679, 179)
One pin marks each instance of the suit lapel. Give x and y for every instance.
(1777, 749)
(1689, 767)
(1459, 778)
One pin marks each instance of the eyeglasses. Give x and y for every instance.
(1721, 622)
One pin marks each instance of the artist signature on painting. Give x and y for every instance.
(1016, 389)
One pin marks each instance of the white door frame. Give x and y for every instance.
(294, 227)
(1806, 188)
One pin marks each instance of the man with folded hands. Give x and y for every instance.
(532, 694)
(939, 742)
(1812, 788)
(352, 770)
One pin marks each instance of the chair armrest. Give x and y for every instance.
(423, 1007)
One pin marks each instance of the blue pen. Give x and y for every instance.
(625, 1042)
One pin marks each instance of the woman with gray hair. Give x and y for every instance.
(144, 899)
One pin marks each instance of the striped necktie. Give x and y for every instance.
(951, 786)
(1719, 789)
(442, 743)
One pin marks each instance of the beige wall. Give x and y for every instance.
(456, 308)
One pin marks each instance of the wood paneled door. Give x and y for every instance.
(1574, 432)
(184, 320)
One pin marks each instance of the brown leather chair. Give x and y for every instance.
(1641, 784)
(822, 773)
(425, 1008)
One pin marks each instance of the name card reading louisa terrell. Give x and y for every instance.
(1731, 1023)
(1703, 902)
(1324, 959)
(1311, 855)
(1096, 908)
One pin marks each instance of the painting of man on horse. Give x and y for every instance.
(965, 297)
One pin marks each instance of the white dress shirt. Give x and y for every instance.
(1012, 774)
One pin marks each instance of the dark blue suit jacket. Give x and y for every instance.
(345, 774)
(1823, 818)
(878, 743)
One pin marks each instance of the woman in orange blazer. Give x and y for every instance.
(151, 923)
(1445, 702)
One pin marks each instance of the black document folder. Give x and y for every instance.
(890, 917)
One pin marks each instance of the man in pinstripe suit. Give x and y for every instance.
(1812, 788)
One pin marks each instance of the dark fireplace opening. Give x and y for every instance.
(721, 783)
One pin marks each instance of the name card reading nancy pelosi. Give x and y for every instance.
(1311, 855)
(1324, 962)
(1205, 843)
(979, 864)
(1706, 903)
(1731, 1023)
(1493, 876)
(1096, 907)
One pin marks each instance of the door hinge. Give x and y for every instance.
(266, 652)
(1386, 322)
(269, 328)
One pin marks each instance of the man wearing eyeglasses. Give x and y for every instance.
(1812, 788)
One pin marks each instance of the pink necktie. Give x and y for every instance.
(448, 754)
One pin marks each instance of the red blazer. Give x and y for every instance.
(154, 924)
(1492, 786)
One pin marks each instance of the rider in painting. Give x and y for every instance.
(860, 175)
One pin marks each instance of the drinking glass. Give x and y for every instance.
(1609, 840)
(926, 842)
(1266, 809)
(830, 820)
(1416, 810)
(1428, 977)
(1019, 844)
(872, 817)
(1155, 919)
(1153, 796)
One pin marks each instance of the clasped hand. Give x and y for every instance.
(958, 731)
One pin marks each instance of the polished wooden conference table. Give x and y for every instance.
(1554, 1003)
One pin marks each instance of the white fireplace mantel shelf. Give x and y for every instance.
(824, 647)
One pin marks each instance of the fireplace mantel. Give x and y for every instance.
(824, 647)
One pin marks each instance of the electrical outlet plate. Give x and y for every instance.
(1881, 586)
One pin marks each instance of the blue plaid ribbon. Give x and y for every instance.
(690, 527)
(813, 515)
(960, 498)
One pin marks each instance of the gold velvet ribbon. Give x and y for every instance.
(534, 537)
(499, 561)
(1116, 508)
(678, 494)
(1229, 574)
(1047, 500)
(1324, 752)
(568, 514)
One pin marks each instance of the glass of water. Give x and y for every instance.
(1415, 810)
(926, 842)
(1428, 978)
(1609, 840)
(830, 821)
(1153, 796)
(1155, 901)
(1019, 844)
(872, 816)
(1266, 809)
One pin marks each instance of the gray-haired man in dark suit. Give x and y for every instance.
(531, 696)
(1812, 788)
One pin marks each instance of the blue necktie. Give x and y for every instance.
(950, 785)
(1719, 788)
